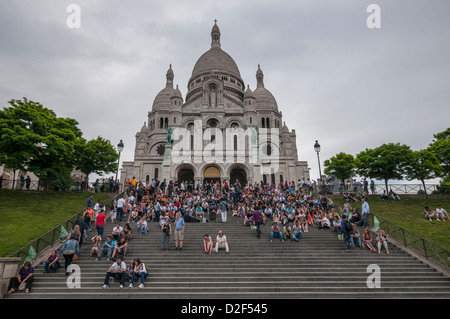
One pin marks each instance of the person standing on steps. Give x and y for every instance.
(120, 208)
(100, 222)
(223, 207)
(69, 249)
(89, 201)
(346, 229)
(257, 219)
(365, 211)
(179, 232)
(166, 229)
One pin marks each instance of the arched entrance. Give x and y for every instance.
(186, 174)
(211, 174)
(238, 173)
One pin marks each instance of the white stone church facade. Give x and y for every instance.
(212, 130)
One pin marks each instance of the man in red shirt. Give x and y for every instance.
(100, 223)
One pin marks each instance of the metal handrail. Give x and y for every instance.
(411, 240)
(53, 235)
(36, 185)
(401, 189)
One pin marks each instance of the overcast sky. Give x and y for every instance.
(335, 80)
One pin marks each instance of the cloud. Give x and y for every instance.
(334, 79)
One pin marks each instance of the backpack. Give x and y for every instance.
(348, 226)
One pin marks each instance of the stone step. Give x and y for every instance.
(234, 294)
(231, 276)
(317, 267)
(159, 282)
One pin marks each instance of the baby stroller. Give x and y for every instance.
(212, 215)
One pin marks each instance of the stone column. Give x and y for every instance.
(166, 169)
(9, 267)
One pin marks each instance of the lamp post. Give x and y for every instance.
(120, 149)
(317, 149)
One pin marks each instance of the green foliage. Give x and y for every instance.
(422, 165)
(43, 143)
(34, 139)
(441, 148)
(385, 162)
(96, 156)
(342, 166)
(444, 186)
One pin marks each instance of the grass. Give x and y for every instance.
(27, 215)
(408, 213)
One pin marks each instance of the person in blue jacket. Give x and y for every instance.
(69, 249)
(345, 231)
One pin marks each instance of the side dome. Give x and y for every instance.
(263, 96)
(177, 93)
(162, 99)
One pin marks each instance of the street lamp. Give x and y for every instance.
(120, 149)
(317, 149)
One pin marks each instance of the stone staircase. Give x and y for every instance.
(318, 266)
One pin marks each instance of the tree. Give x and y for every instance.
(35, 139)
(423, 165)
(441, 148)
(385, 162)
(96, 156)
(15, 140)
(341, 166)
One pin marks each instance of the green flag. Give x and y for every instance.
(64, 234)
(31, 254)
(376, 224)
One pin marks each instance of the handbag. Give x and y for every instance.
(71, 251)
(340, 236)
(22, 285)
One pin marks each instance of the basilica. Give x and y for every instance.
(222, 130)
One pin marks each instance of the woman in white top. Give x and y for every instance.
(140, 271)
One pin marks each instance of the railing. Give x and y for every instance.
(408, 239)
(91, 187)
(401, 189)
(421, 245)
(53, 236)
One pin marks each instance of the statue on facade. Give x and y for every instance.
(212, 98)
(169, 136)
(254, 136)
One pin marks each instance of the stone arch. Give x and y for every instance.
(238, 171)
(221, 172)
(185, 172)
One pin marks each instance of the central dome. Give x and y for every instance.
(215, 59)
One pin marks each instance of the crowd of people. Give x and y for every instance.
(291, 211)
